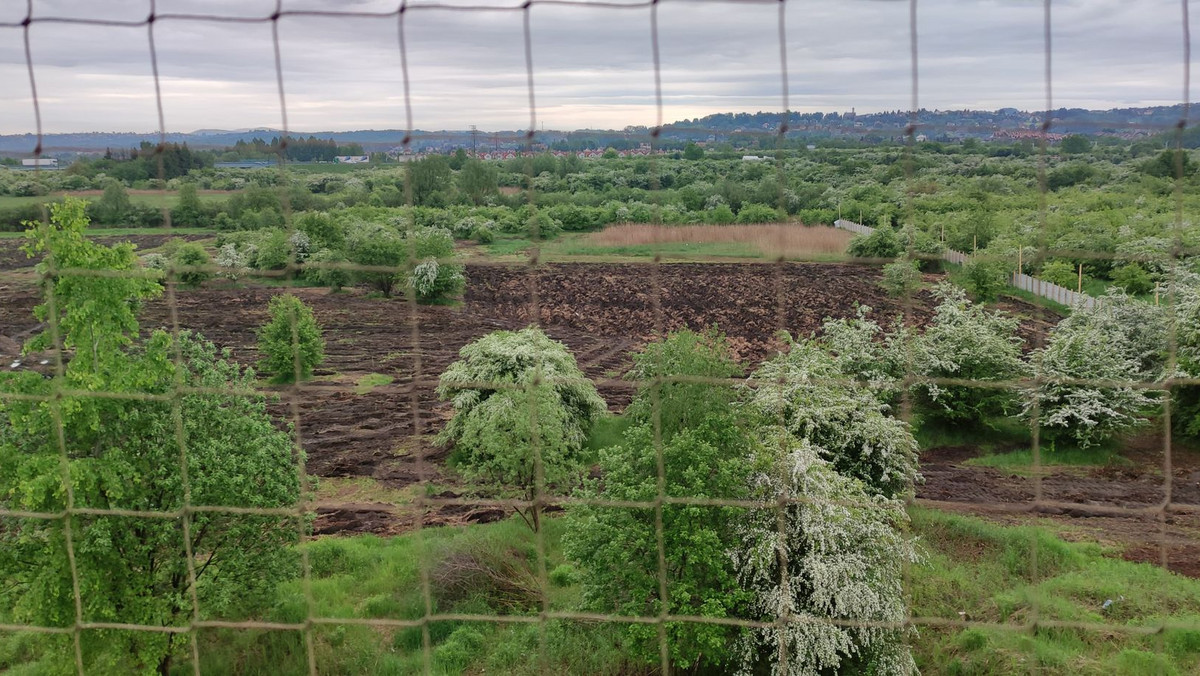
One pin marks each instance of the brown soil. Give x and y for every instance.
(603, 312)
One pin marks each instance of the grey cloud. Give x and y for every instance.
(593, 67)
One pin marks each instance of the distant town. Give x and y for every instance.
(748, 131)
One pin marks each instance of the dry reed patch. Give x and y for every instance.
(791, 240)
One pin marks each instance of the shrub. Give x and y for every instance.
(757, 213)
(188, 257)
(965, 341)
(290, 342)
(985, 279)
(667, 365)
(564, 575)
(500, 385)
(434, 278)
(846, 559)
(484, 234)
(901, 277)
(274, 251)
(333, 277)
(805, 391)
(1133, 278)
(379, 246)
(154, 261)
(882, 243)
(1061, 273)
(233, 260)
(865, 352)
(1121, 340)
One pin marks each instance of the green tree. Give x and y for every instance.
(189, 211)
(128, 452)
(190, 259)
(291, 341)
(520, 400)
(693, 152)
(477, 180)
(1075, 144)
(323, 268)
(707, 450)
(429, 178)
(380, 247)
(114, 206)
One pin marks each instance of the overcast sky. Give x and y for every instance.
(593, 67)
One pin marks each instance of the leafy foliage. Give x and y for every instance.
(190, 259)
(901, 277)
(882, 243)
(129, 453)
(291, 341)
(805, 392)
(965, 341)
(1110, 348)
(845, 558)
(519, 400)
(706, 452)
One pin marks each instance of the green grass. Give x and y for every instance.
(985, 574)
(1021, 461)
(370, 381)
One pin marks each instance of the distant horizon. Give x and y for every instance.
(214, 131)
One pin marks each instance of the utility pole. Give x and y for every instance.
(474, 135)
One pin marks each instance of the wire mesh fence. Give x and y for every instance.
(284, 521)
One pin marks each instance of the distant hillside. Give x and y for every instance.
(947, 125)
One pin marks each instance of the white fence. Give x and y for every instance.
(1056, 293)
(1038, 287)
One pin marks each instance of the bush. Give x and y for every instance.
(377, 245)
(564, 575)
(291, 342)
(274, 252)
(1061, 273)
(882, 243)
(333, 277)
(1133, 278)
(434, 278)
(189, 256)
(985, 279)
(901, 277)
(1121, 340)
(501, 383)
(484, 234)
(757, 213)
(965, 341)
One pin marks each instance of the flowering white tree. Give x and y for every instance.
(833, 569)
(1089, 371)
(804, 391)
(967, 342)
(863, 350)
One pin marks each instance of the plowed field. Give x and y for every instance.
(603, 312)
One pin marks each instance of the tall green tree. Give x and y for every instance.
(178, 425)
